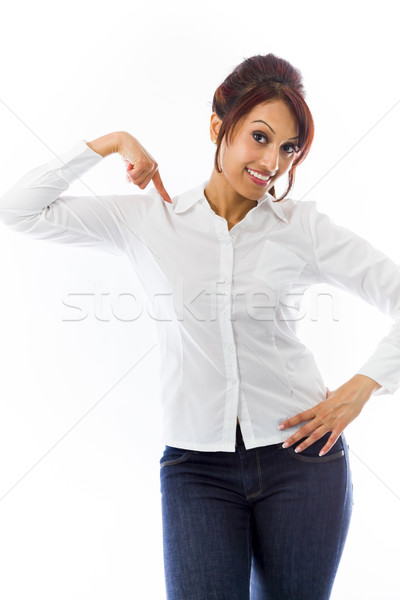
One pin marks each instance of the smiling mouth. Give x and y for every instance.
(257, 177)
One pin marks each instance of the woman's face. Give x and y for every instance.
(266, 146)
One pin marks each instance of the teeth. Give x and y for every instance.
(262, 177)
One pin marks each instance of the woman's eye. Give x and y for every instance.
(292, 147)
(260, 135)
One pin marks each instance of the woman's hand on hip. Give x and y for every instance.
(333, 414)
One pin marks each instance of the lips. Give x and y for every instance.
(256, 180)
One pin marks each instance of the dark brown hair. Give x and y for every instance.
(261, 79)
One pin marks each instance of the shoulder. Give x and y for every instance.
(299, 213)
(306, 214)
(140, 206)
(294, 206)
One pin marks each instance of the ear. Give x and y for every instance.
(215, 125)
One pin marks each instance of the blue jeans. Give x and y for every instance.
(259, 524)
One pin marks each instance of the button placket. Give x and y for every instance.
(224, 302)
(225, 268)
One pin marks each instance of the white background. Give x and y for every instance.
(80, 431)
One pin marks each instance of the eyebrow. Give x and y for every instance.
(260, 121)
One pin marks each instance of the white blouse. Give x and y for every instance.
(224, 301)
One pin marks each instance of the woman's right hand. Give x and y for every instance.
(141, 168)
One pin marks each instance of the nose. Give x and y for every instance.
(270, 160)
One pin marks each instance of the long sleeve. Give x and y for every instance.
(34, 205)
(348, 261)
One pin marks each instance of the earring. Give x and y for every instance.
(215, 141)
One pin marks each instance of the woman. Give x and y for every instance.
(225, 265)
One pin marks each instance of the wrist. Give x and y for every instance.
(365, 385)
(108, 144)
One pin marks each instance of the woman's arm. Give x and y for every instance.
(35, 207)
(350, 262)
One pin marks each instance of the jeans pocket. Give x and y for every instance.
(310, 454)
(174, 456)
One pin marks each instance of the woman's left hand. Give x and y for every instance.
(333, 414)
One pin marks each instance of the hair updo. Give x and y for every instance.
(261, 79)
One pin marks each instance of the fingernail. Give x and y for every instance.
(285, 445)
(281, 426)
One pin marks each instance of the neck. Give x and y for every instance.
(225, 201)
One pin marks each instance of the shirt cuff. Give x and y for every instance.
(388, 386)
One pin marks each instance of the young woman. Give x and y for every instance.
(225, 265)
